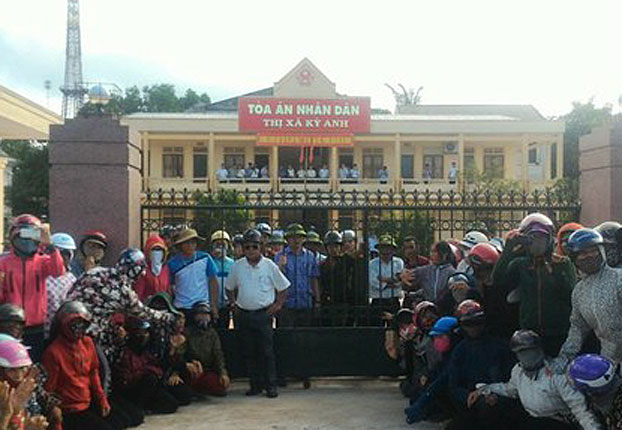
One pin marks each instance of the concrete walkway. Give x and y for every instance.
(329, 404)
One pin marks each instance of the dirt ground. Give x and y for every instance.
(329, 404)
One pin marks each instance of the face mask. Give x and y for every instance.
(26, 247)
(539, 245)
(613, 256)
(590, 265)
(135, 272)
(157, 256)
(442, 344)
(531, 359)
(459, 294)
(78, 328)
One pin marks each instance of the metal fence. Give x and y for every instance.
(428, 216)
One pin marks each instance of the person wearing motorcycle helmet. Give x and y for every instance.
(599, 380)
(58, 286)
(143, 378)
(238, 246)
(266, 231)
(220, 242)
(77, 383)
(543, 281)
(276, 242)
(460, 287)
(482, 260)
(471, 239)
(204, 347)
(609, 231)
(23, 271)
(12, 320)
(432, 279)
(92, 249)
(157, 276)
(549, 398)
(349, 242)
(109, 291)
(596, 299)
(479, 358)
(315, 245)
(563, 234)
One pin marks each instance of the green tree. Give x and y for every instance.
(160, 98)
(28, 192)
(580, 121)
(216, 216)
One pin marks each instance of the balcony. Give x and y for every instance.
(240, 184)
(303, 184)
(155, 183)
(361, 184)
(420, 184)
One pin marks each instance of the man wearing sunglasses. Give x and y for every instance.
(259, 290)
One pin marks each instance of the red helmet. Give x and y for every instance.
(469, 310)
(536, 222)
(483, 253)
(21, 221)
(95, 236)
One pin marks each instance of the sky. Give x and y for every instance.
(545, 53)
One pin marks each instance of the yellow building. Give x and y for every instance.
(419, 145)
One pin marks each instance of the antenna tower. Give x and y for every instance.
(73, 90)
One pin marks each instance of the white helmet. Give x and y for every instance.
(472, 238)
(63, 241)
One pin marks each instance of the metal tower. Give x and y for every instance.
(73, 90)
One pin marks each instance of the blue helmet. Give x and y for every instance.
(591, 373)
(444, 325)
(583, 239)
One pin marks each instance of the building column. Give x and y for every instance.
(397, 162)
(274, 167)
(547, 162)
(334, 167)
(559, 142)
(525, 160)
(460, 160)
(3, 163)
(145, 167)
(211, 162)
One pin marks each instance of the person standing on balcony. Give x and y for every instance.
(291, 173)
(283, 172)
(427, 173)
(355, 173)
(383, 175)
(302, 173)
(249, 170)
(452, 175)
(301, 269)
(344, 172)
(241, 174)
(264, 173)
(222, 173)
(324, 172)
(385, 288)
(193, 274)
(311, 173)
(259, 290)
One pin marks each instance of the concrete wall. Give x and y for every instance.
(95, 181)
(600, 163)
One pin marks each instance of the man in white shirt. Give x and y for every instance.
(259, 289)
(385, 289)
(311, 172)
(452, 175)
(355, 173)
(222, 174)
(324, 172)
(302, 173)
(344, 172)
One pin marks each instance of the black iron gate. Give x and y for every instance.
(347, 339)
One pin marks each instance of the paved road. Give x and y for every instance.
(327, 405)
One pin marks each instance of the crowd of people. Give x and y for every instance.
(520, 332)
(239, 172)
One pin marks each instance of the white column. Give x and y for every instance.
(211, 161)
(525, 163)
(560, 155)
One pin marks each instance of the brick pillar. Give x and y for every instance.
(95, 181)
(600, 163)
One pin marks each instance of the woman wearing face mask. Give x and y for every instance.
(549, 398)
(596, 300)
(543, 281)
(58, 286)
(92, 251)
(23, 271)
(157, 276)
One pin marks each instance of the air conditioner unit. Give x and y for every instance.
(450, 148)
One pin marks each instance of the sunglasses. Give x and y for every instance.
(251, 246)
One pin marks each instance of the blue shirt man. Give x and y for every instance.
(193, 274)
(301, 269)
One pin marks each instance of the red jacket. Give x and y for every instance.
(73, 373)
(22, 282)
(132, 367)
(150, 284)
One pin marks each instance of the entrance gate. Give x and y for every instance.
(346, 340)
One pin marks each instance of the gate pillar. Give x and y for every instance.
(95, 181)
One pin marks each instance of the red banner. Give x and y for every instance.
(347, 115)
(304, 140)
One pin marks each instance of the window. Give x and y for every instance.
(373, 161)
(346, 156)
(234, 158)
(470, 168)
(199, 162)
(408, 164)
(533, 156)
(173, 162)
(493, 162)
(435, 164)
